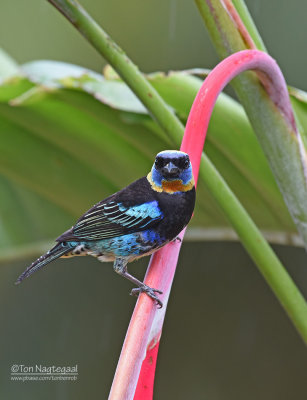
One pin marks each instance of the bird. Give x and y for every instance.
(133, 222)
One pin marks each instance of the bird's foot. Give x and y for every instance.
(150, 292)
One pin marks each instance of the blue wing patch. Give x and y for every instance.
(149, 211)
(108, 220)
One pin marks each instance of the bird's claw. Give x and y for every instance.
(150, 292)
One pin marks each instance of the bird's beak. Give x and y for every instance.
(170, 169)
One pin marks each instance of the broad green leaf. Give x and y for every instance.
(59, 74)
(26, 217)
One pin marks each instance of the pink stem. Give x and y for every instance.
(134, 376)
(219, 77)
(143, 335)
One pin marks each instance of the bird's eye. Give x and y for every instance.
(186, 163)
(159, 163)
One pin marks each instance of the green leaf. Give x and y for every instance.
(59, 74)
(27, 217)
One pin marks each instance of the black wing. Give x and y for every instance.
(109, 219)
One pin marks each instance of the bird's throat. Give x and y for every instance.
(170, 186)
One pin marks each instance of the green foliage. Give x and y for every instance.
(71, 137)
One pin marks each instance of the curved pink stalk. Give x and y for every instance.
(134, 376)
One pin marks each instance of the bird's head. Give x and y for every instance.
(171, 172)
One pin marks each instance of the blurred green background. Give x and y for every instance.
(157, 35)
(235, 341)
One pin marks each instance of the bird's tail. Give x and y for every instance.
(57, 251)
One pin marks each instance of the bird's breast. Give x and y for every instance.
(171, 186)
(176, 186)
(177, 209)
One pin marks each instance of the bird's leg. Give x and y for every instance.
(120, 266)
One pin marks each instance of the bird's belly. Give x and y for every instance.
(104, 257)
